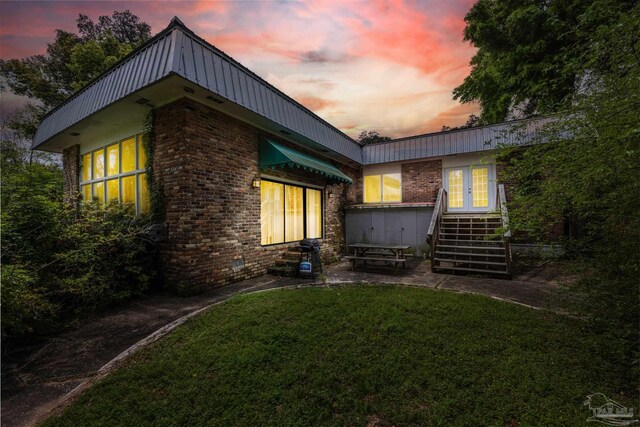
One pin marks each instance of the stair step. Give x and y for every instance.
(469, 261)
(474, 270)
(470, 254)
(464, 244)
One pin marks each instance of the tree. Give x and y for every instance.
(72, 60)
(371, 137)
(525, 64)
(585, 166)
(472, 121)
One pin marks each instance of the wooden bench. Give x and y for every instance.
(390, 260)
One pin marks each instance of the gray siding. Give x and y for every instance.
(452, 142)
(178, 51)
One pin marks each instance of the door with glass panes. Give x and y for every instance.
(469, 188)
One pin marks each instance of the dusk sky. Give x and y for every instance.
(388, 66)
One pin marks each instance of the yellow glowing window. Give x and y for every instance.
(480, 187)
(314, 214)
(142, 153)
(113, 165)
(98, 191)
(128, 189)
(86, 168)
(98, 164)
(117, 173)
(271, 212)
(129, 155)
(456, 193)
(372, 189)
(294, 216)
(113, 190)
(391, 188)
(86, 193)
(145, 195)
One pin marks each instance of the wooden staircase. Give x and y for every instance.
(471, 243)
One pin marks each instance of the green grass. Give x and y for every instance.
(357, 355)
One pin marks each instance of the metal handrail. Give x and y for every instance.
(501, 204)
(433, 234)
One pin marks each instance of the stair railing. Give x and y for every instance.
(501, 204)
(433, 234)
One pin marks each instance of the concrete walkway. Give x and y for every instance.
(35, 380)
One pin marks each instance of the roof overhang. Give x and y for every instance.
(159, 71)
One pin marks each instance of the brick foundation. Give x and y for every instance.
(205, 161)
(421, 181)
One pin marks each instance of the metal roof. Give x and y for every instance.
(481, 138)
(177, 50)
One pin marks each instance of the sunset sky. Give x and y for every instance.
(388, 66)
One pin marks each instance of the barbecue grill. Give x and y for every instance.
(309, 256)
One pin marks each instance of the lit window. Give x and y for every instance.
(383, 188)
(86, 167)
(98, 164)
(314, 213)
(116, 172)
(289, 213)
(129, 155)
(456, 195)
(113, 190)
(372, 189)
(480, 186)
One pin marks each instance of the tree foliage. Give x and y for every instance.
(525, 64)
(58, 263)
(586, 167)
(371, 137)
(72, 60)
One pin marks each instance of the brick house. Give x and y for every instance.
(245, 171)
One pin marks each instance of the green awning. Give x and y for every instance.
(277, 156)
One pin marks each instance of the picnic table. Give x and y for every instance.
(389, 254)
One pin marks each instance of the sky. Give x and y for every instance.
(383, 65)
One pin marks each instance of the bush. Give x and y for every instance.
(60, 263)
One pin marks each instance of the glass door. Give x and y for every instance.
(468, 189)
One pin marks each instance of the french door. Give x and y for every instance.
(469, 189)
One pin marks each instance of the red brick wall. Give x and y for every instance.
(71, 168)
(421, 181)
(205, 161)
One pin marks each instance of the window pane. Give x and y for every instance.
(98, 191)
(391, 187)
(129, 155)
(113, 190)
(98, 164)
(86, 193)
(86, 167)
(112, 160)
(145, 195)
(314, 214)
(480, 187)
(271, 212)
(455, 195)
(372, 189)
(142, 154)
(129, 189)
(294, 219)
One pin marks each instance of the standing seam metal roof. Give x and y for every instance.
(177, 50)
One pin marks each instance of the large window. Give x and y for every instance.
(383, 188)
(117, 172)
(289, 213)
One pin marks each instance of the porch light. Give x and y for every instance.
(256, 182)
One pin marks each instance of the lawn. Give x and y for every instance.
(358, 355)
